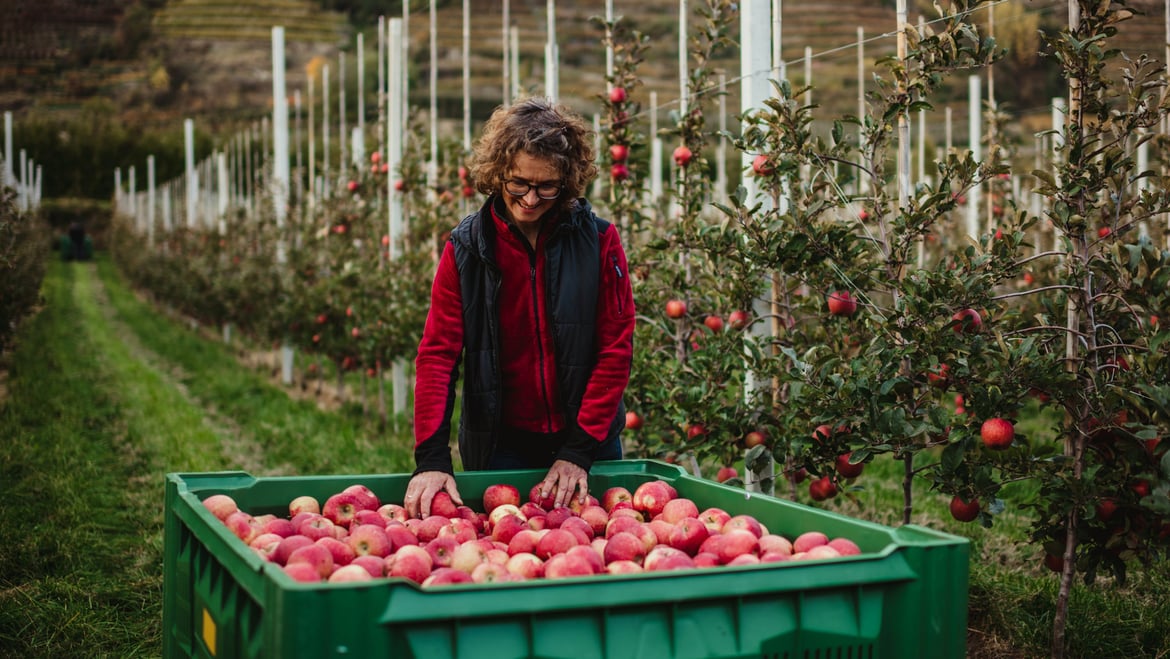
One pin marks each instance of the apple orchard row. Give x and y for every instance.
(353, 536)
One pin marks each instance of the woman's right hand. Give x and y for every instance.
(422, 489)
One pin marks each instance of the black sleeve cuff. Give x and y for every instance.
(579, 448)
(433, 454)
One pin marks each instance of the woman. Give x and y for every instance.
(532, 296)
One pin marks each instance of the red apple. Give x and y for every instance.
(1104, 232)
(525, 565)
(286, 547)
(376, 567)
(596, 517)
(714, 323)
(762, 166)
(849, 469)
(556, 541)
(545, 502)
(968, 321)
(468, 555)
(940, 377)
(350, 574)
(726, 473)
(676, 309)
(410, 562)
(623, 567)
(696, 430)
(964, 511)
(220, 505)
(303, 503)
(315, 556)
(352, 186)
(737, 542)
(822, 432)
(619, 171)
(619, 152)
(445, 576)
(809, 539)
(441, 549)
(612, 496)
(665, 557)
(524, 542)
(341, 552)
(714, 518)
(303, 572)
(499, 494)
(679, 509)
(754, 438)
(342, 507)
(618, 95)
(650, 497)
(491, 573)
(743, 523)
(844, 546)
(563, 566)
(841, 303)
(444, 506)
(633, 420)
(428, 528)
(773, 543)
(737, 319)
(682, 156)
(506, 528)
(997, 433)
(822, 488)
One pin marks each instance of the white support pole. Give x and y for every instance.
(361, 84)
(326, 191)
(405, 61)
(395, 129)
(975, 144)
(132, 196)
(118, 197)
(222, 193)
(467, 76)
(551, 73)
(514, 52)
(311, 181)
(655, 151)
(9, 178)
(382, 84)
(903, 118)
(150, 192)
(778, 67)
(683, 72)
(862, 179)
(755, 64)
(280, 173)
(342, 158)
(506, 57)
(1143, 163)
(609, 62)
(721, 149)
(433, 165)
(192, 175)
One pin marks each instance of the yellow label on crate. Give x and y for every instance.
(208, 632)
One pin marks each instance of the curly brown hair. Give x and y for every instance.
(542, 129)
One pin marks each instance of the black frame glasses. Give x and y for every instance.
(519, 189)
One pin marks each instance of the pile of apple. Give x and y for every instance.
(355, 537)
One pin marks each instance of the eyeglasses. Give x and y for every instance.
(545, 191)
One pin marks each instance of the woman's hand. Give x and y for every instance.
(422, 489)
(563, 479)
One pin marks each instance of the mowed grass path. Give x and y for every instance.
(104, 398)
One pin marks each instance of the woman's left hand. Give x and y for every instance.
(563, 479)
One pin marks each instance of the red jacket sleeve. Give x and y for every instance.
(615, 340)
(437, 369)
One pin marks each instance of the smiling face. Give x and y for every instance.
(527, 211)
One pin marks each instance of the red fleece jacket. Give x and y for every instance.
(531, 400)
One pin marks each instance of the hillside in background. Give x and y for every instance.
(157, 62)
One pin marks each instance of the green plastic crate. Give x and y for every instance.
(905, 596)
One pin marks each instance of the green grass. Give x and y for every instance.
(106, 396)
